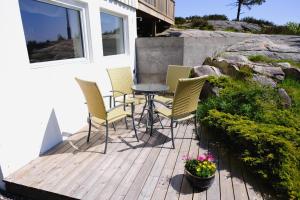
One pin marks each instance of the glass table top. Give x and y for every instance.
(150, 87)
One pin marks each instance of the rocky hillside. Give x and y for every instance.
(274, 46)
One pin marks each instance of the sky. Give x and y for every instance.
(278, 11)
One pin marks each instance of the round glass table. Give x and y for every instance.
(149, 90)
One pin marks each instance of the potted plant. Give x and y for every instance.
(200, 172)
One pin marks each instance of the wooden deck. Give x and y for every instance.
(130, 170)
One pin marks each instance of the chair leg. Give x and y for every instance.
(196, 128)
(172, 134)
(114, 127)
(126, 122)
(142, 113)
(133, 124)
(106, 137)
(90, 127)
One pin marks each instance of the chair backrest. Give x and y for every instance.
(121, 80)
(176, 72)
(93, 98)
(187, 96)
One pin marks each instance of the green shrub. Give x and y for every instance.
(260, 22)
(180, 20)
(270, 151)
(215, 17)
(293, 28)
(290, 28)
(265, 59)
(202, 24)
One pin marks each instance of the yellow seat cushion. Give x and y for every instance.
(164, 111)
(112, 116)
(137, 99)
(164, 99)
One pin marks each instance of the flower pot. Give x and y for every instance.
(199, 182)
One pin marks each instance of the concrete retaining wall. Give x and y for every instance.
(155, 54)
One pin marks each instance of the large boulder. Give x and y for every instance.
(206, 70)
(226, 67)
(266, 45)
(269, 70)
(263, 80)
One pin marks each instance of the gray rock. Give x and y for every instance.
(239, 26)
(263, 80)
(227, 68)
(266, 45)
(270, 71)
(207, 70)
(262, 44)
(235, 58)
(285, 98)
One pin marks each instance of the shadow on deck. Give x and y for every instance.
(148, 169)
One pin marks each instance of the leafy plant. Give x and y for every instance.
(202, 167)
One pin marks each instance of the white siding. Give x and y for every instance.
(133, 3)
(44, 101)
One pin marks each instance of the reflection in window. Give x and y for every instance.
(112, 34)
(52, 32)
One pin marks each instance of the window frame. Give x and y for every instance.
(82, 9)
(125, 30)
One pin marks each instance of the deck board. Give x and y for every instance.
(148, 169)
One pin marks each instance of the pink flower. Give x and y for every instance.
(210, 157)
(201, 157)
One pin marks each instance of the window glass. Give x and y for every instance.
(112, 34)
(52, 32)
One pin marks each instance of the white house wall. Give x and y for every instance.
(41, 102)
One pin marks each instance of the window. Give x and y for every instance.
(52, 32)
(112, 34)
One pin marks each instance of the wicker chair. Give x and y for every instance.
(121, 82)
(185, 102)
(97, 111)
(174, 73)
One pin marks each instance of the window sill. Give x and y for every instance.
(59, 63)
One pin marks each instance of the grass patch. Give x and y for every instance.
(265, 59)
(231, 29)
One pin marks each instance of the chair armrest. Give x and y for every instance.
(107, 96)
(111, 109)
(117, 91)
